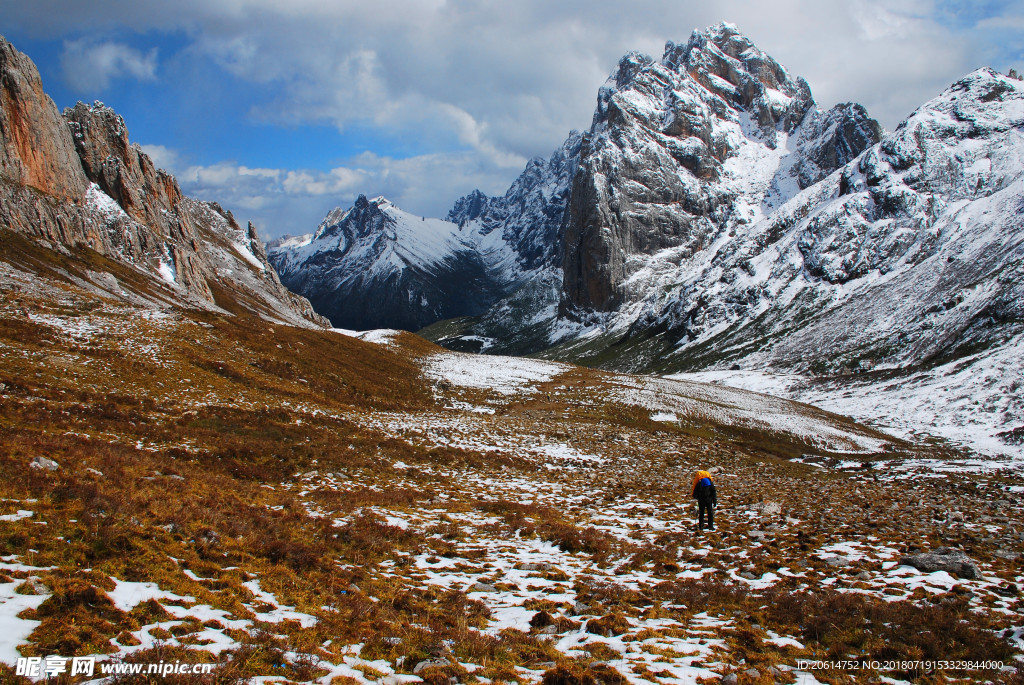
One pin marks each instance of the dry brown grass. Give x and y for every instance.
(218, 474)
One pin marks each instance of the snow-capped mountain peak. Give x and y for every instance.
(414, 268)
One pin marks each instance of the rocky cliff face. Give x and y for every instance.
(35, 150)
(910, 253)
(715, 134)
(531, 214)
(76, 182)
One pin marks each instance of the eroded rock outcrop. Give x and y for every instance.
(77, 182)
(943, 559)
(122, 170)
(35, 147)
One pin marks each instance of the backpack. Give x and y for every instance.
(703, 487)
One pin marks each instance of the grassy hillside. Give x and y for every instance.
(313, 507)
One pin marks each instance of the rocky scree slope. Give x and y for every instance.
(74, 182)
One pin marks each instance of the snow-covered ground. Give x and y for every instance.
(504, 375)
(943, 402)
(702, 401)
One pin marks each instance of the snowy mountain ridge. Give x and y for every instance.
(418, 266)
(904, 268)
(376, 266)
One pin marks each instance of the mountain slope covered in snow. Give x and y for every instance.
(375, 266)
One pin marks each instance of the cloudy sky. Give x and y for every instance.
(284, 110)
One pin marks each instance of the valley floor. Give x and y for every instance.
(304, 506)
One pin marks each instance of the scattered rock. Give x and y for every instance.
(837, 560)
(1006, 554)
(35, 586)
(482, 587)
(45, 464)
(352, 587)
(863, 575)
(428, 663)
(943, 559)
(730, 679)
(579, 608)
(98, 474)
(752, 673)
(208, 537)
(542, 566)
(769, 508)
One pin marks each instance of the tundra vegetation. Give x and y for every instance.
(308, 506)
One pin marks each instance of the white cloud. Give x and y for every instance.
(90, 66)
(510, 79)
(294, 201)
(337, 181)
(163, 157)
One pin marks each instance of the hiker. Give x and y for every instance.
(707, 499)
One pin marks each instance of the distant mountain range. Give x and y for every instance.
(714, 217)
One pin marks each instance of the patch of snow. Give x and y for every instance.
(503, 375)
(127, 595)
(14, 631)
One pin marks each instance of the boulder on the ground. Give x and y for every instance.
(44, 464)
(943, 559)
(429, 663)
